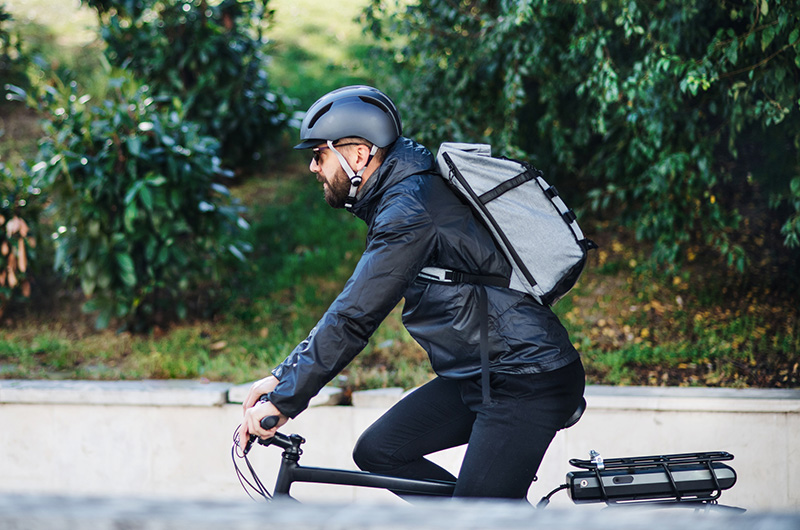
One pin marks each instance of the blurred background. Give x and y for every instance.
(157, 224)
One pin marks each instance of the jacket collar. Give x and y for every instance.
(405, 158)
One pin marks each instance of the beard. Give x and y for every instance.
(337, 189)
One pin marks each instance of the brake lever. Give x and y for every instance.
(249, 444)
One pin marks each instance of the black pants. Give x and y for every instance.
(507, 438)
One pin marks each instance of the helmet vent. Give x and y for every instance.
(377, 103)
(319, 114)
(372, 101)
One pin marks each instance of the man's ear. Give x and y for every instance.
(362, 157)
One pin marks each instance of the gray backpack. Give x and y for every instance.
(533, 227)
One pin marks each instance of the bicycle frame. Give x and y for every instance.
(291, 471)
(687, 479)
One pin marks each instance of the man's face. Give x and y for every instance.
(335, 183)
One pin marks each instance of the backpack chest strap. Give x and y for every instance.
(438, 274)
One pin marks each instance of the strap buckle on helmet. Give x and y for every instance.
(355, 178)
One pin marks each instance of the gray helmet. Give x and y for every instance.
(357, 110)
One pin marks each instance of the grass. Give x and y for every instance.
(68, 24)
(318, 47)
(633, 325)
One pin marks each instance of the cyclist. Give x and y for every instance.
(415, 221)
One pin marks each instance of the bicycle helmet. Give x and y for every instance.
(356, 110)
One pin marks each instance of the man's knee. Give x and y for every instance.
(367, 454)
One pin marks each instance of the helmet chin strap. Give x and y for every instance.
(355, 178)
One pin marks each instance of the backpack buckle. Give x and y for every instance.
(438, 274)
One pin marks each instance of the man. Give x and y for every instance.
(415, 221)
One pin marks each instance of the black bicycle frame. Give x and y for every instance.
(291, 471)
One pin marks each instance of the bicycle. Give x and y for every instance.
(693, 480)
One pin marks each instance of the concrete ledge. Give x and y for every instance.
(151, 438)
(688, 399)
(327, 396)
(380, 397)
(137, 393)
(197, 393)
(57, 513)
(694, 399)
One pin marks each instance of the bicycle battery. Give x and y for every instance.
(677, 477)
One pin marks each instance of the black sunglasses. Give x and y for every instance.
(318, 150)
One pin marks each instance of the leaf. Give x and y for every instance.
(732, 51)
(130, 216)
(794, 185)
(147, 197)
(15, 93)
(103, 319)
(87, 285)
(133, 191)
(219, 188)
(236, 252)
(134, 145)
(767, 36)
(22, 261)
(127, 272)
(159, 180)
(104, 280)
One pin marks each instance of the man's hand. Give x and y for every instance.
(258, 389)
(255, 410)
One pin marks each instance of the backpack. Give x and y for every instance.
(536, 231)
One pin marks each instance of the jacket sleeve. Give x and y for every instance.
(400, 243)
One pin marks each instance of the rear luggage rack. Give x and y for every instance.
(685, 477)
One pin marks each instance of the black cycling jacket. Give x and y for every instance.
(416, 221)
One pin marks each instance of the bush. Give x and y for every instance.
(141, 220)
(12, 60)
(673, 116)
(211, 56)
(20, 207)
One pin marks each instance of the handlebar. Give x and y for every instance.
(268, 422)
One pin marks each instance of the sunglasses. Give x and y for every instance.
(318, 150)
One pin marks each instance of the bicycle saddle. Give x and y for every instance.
(576, 415)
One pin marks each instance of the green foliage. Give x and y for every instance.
(20, 209)
(141, 220)
(705, 326)
(671, 115)
(12, 61)
(210, 56)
